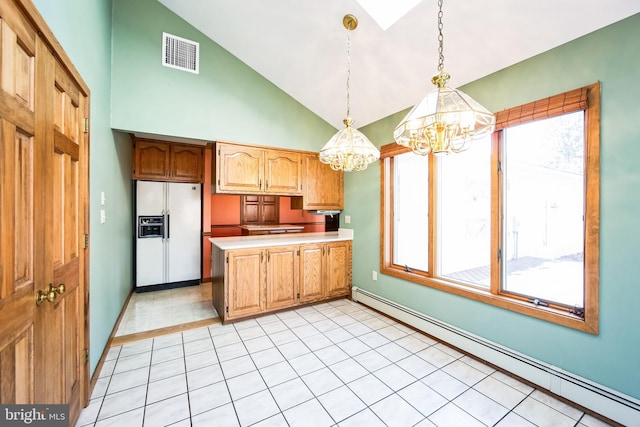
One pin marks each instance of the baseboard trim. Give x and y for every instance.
(593, 396)
(105, 350)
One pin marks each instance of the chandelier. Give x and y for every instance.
(446, 120)
(349, 150)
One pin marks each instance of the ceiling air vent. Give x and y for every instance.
(180, 53)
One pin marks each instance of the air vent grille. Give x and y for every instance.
(180, 53)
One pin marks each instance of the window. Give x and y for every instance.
(513, 221)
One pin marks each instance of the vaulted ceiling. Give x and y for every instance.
(300, 45)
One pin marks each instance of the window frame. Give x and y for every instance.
(587, 99)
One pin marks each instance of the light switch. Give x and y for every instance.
(103, 216)
(347, 219)
(102, 198)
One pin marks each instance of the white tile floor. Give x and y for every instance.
(154, 310)
(337, 363)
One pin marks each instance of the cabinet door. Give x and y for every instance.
(338, 270)
(186, 163)
(282, 277)
(311, 272)
(245, 282)
(259, 210)
(151, 161)
(239, 169)
(250, 210)
(323, 187)
(269, 210)
(283, 174)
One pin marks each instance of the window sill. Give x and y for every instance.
(557, 315)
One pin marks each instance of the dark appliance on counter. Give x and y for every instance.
(331, 219)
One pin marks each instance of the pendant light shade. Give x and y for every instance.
(349, 150)
(446, 120)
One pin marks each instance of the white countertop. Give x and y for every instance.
(245, 242)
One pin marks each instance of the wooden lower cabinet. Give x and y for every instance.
(245, 270)
(338, 271)
(312, 272)
(249, 282)
(282, 277)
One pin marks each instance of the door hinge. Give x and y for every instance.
(218, 151)
(227, 309)
(85, 241)
(298, 253)
(86, 125)
(499, 254)
(227, 259)
(218, 182)
(298, 296)
(499, 167)
(85, 355)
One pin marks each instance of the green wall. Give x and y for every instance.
(84, 30)
(226, 101)
(611, 358)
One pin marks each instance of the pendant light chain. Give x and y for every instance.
(349, 149)
(348, 70)
(440, 38)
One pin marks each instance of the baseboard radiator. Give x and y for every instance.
(598, 398)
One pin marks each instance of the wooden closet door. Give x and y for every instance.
(60, 323)
(43, 211)
(20, 271)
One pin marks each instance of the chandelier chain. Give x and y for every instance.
(348, 70)
(440, 38)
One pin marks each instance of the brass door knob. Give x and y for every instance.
(59, 289)
(49, 294)
(42, 296)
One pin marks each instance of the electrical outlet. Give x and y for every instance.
(374, 275)
(347, 219)
(102, 199)
(103, 216)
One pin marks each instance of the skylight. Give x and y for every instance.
(385, 12)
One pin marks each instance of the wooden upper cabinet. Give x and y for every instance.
(283, 172)
(238, 169)
(323, 188)
(162, 161)
(150, 160)
(259, 210)
(241, 169)
(187, 163)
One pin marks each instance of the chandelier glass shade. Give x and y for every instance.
(349, 150)
(446, 120)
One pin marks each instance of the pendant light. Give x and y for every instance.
(446, 120)
(349, 150)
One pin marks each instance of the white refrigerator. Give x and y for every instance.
(167, 253)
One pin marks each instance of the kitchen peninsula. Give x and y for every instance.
(254, 275)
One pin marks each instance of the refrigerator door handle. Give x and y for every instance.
(168, 226)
